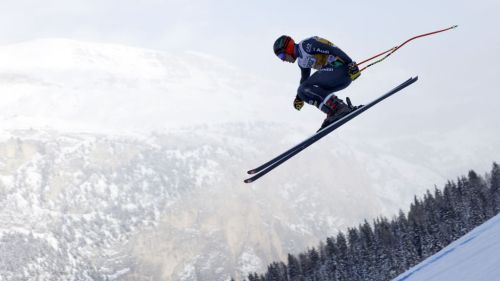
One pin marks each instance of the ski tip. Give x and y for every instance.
(248, 181)
(251, 172)
(411, 80)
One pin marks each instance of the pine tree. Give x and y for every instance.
(342, 272)
(331, 248)
(354, 261)
(495, 188)
(305, 265)
(294, 270)
(368, 253)
(448, 216)
(386, 248)
(314, 261)
(276, 272)
(253, 277)
(332, 258)
(477, 201)
(416, 226)
(431, 239)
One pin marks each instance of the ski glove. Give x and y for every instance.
(353, 71)
(298, 103)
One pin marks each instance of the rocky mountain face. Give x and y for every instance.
(171, 206)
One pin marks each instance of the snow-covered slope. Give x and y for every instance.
(474, 257)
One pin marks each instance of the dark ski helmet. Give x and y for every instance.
(282, 44)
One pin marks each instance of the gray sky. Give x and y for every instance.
(457, 69)
(239, 30)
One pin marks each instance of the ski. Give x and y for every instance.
(278, 160)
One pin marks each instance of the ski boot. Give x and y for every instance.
(335, 109)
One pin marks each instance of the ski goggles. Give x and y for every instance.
(282, 56)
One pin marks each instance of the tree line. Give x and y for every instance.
(385, 248)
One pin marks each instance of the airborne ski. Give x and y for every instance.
(280, 159)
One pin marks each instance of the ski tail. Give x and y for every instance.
(278, 160)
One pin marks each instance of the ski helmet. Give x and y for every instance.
(282, 44)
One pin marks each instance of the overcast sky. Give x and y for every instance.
(457, 69)
(243, 31)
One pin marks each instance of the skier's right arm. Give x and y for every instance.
(298, 103)
(304, 74)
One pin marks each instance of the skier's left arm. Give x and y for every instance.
(322, 48)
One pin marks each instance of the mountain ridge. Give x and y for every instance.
(76, 86)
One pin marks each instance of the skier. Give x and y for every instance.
(335, 71)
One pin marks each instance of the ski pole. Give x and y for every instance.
(394, 49)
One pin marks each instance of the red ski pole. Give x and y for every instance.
(394, 49)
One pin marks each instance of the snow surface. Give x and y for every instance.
(473, 257)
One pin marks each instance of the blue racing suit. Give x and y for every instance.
(331, 76)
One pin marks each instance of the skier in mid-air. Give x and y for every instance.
(335, 71)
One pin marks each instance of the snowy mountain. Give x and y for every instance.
(472, 257)
(69, 85)
(165, 207)
(120, 163)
